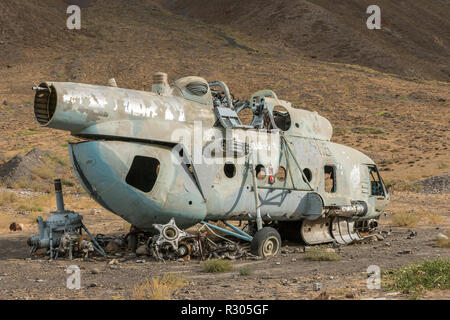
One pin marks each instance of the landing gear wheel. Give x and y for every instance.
(266, 242)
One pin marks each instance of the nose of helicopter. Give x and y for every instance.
(132, 180)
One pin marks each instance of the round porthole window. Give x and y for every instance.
(230, 170)
(308, 174)
(260, 171)
(281, 174)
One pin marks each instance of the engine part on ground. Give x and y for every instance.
(73, 242)
(61, 223)
(173, 243)
(169, 234)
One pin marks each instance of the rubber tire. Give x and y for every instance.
(258, 242)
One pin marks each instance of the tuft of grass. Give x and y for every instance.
(322, 253)
(367, 130)
(24, 133)
(405, 219)
(67, 183)
(56, 159)
(158, 288)
(340, 131)
(381, 113)
(403, 186)
(415, 279)
(443, 165)
(444, 243)
(36, 204)
(216, 265)
(8, 197)
(44, 172)
(246, 271)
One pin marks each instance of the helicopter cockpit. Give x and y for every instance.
(227, 110)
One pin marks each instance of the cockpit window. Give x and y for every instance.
(376, 185)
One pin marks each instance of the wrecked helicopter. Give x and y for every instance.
(183, 153)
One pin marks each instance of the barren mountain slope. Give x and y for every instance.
(402, 123)
(414, 39)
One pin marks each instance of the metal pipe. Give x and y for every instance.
(234, 234)
(59, 195)
(257, 204)
(355, 209)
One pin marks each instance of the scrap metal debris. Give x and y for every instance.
(173, 243)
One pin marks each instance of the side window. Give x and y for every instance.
(376, 186)
(330, 179)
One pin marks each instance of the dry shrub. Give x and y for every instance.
(158, 288)
(444, 243)
(246, 271)
(216, 265)
(44, 172)
(36, 204)
(405, 219)
(8, 197)
(415, 279)
(322, 253)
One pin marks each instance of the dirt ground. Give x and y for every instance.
(287, 276)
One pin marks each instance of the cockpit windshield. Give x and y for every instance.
(376, 182)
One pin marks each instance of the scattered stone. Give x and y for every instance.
(392, 293)
(405, 252)
(142, 250)
(442, 236)
(95, 211)
(140, 261)
(113, 262)
(436, 185)
(330, 250)
(293, 260)
(277, 263)
(95, 271)
(323, 296)
(350, 295)
(92, 285)
(387, 244)
(317, 286)
(16, 227)
(379, 237)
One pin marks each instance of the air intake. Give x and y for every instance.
(44, 103)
